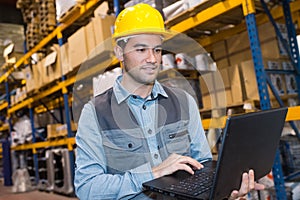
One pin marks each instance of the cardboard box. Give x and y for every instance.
(52, 130)
(64, 61)
(103, 28)
(235, 84)
(30, 80)
(237, 58)
(59, 130)
(266, 32)
(78, 52)
(52, 64)
(90, 38)
(249, 81)
(216, 91)
(222, 63)
(38, 73)
(216, 99)
(227, 84)
(206, 101)
(273, 49)
(219, 50)
(44, 72)
(238, 43)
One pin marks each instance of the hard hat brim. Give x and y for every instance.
(164, 33)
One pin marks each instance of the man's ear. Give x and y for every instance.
(119, 53)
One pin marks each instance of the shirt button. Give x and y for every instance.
(155, 156)
(150, 131)
(129, 145)
(144, 107)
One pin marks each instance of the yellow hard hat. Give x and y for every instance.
(138, 19)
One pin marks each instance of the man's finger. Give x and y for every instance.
(251, 180)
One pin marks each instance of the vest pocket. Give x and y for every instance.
(177, 139)
(123, 147)
(121, 140)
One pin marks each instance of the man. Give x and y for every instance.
(139, 130)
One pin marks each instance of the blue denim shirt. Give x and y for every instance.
(91, 178)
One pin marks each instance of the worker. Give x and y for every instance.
(138, 129)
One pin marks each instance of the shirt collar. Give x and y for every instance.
(122, 94)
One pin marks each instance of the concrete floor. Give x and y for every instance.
(7, 194)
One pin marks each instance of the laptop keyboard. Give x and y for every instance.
(197, 184)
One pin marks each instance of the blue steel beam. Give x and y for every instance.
(294, 49)
(35, 156)
(7, 170)
(264, 95)
(67, 114)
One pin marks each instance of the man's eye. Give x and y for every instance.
(157, 50)
(141, 50)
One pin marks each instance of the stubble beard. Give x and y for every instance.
(134, 75)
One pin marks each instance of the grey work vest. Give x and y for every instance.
(125, 145)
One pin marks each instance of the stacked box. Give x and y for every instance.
(29, 77)
(103, 29)
(216, 89)
(52, 65)
(236, 49)
(92, 39)
(77, 55)
(64, 61)
(52, 130)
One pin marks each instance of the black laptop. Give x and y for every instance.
(249, 141)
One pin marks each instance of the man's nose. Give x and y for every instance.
(151, 56)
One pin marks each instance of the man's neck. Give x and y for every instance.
(141, 90)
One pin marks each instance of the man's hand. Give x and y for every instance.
(174, 163)
(248, 184)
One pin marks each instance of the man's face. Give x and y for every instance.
(142, 58)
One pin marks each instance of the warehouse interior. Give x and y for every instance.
(233, 57)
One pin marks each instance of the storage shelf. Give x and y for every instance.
(4, 127)
(52, 143)
(202, 18)
(3, 105)
(292, 115)
(215, 16)
(81, 10)
(63, 84)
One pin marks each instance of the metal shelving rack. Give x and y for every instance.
(191, 19)
(78, 12)
(248, 7)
